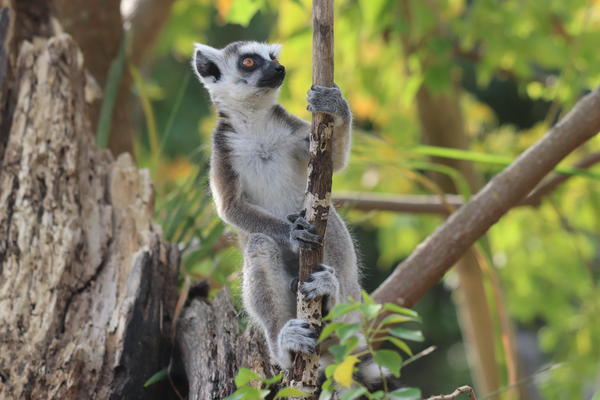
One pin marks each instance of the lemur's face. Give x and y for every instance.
(242, 71)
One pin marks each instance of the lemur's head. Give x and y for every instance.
(245, 74)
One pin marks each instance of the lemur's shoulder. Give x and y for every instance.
(296, 124)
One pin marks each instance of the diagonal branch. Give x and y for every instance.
(432, 258)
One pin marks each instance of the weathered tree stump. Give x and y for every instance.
(87, 284)
(214, 348)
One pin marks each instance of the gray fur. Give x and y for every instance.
(258, 177)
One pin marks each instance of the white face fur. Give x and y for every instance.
(235, 82)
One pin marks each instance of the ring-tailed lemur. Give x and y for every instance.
(258, 178)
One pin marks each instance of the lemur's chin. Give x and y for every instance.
(272, 83)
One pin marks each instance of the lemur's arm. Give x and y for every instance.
(331, 101)
(231, 205)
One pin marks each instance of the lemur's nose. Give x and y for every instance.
(279, 68)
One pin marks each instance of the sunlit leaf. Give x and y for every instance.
(242, 11)
(244, 376)
(343, 372)
(291, 392)
(401, 310)
(370, 311)
(341, 309)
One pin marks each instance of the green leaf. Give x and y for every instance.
(407, 334)
(406, 394)
(328, 330)
(341, 309)
(291, 392)
(366, 298)
(244, 376)
(378, 395)
(400, 344)
(326, 394)
(494, 159)
(596, 396)
(111, 90)
(274, 379)
(157, 377)
(389, 359)
(346, 331)
(329, 370)
(370, 311)
(394, 319)
(248, 393)
(242, 11)
(353, 394)
(401, 310)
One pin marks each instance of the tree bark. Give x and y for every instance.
(87, 284)
(432, 258)
(214, 348)
(442, 125)
(97, 26)
(304, 372)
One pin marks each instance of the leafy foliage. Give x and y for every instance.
(514, 67)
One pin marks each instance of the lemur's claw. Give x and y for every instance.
(293, 217)
(302, 232)
(296, 335)
(322, 282)
(305, 239)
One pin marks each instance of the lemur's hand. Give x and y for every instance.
(322, 282)
(297, 336)
(303, 233)
(328, 100)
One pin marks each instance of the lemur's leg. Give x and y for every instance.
(266, 290)
(330, 100)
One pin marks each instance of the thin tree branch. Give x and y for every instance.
(414, 204)
(146, 19)
(304, 372)
(432, 204)
(468, 390)
(430, 261)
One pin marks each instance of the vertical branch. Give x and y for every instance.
(304, 372)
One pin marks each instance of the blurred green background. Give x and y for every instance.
(491, 76)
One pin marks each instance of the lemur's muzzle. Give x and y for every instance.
(273, 75)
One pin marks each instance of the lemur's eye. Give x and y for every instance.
(248, 62)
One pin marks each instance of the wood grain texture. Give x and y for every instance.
(213, 348)
(86, 281)
(304, 372)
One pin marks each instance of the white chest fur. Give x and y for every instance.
(270, 175)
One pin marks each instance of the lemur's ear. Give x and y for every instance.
(274, 49)
(205, 63)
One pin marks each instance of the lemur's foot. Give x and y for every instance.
(322, 282)
(303, 233)
(297, 336)
(328, 100)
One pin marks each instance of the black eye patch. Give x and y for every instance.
(272, 55)
(250, 62)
